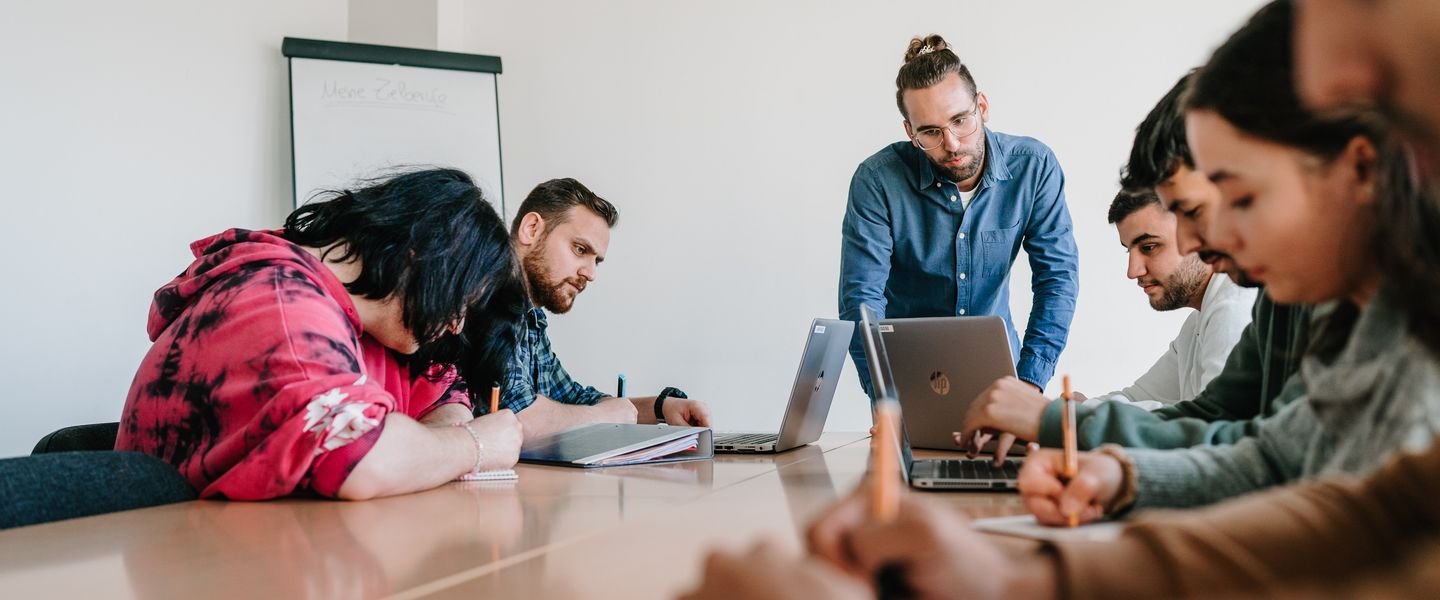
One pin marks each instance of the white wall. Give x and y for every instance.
(428, 24)
(127, 130)
(409, 23)
(727, 131)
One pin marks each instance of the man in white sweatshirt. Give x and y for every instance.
(1172, 281)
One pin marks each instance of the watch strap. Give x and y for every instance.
(660, 401)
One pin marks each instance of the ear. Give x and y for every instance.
(1362, 159)
(532, 225)
(909, 133)
(984, 104)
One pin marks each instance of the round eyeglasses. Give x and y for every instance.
(963, 126)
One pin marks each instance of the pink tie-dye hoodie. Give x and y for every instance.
(260, 382)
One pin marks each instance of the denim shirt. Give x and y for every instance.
(534, 369)
(911, 249)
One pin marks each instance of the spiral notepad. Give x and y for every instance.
(495, 475)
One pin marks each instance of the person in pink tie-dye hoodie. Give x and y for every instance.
(334, 356)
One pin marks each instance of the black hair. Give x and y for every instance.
(1408, 250)
(1160, 147)
(1127, 203)
(927, 61)
(431, 239)
(1250, 82)
(484, 349)
(553, 200)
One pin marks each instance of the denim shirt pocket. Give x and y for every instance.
(995, 246)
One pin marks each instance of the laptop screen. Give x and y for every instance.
(883, 379)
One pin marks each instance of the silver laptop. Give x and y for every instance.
(941, 364)
(815, 382)
(932, 474)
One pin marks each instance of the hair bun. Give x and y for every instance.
(920, 46)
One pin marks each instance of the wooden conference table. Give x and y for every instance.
(624, 532)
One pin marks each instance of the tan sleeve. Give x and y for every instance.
(1416, 577)
(1317, 532)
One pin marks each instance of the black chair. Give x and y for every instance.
(65, 485)
(79, 438)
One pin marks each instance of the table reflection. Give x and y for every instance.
(495, 538)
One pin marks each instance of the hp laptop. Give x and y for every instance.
(931, 474)
(940, 365)
(820, 365)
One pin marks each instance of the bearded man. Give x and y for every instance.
(933, 223)
(561, 234)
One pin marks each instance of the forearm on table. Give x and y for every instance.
(1317, 531)
(1095, 425)
(644, 410)
(447, 415)
(1133, 427)
(410, 457)
(546, 416)
(1209, 420)
(1202, 475)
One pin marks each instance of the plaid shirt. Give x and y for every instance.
(536, 370)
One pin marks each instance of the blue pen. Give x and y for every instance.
(620, 387)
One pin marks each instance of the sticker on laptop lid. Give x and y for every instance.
(819, 329)
(887, 329)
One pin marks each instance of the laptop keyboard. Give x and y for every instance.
(748, 439)
(978, 468)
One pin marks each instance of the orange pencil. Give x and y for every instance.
(885, 469)
(1067, 431)
(494, 399)
(885, 491)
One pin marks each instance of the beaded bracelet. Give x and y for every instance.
(479, 446)
(1129, 479)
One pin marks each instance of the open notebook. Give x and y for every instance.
(611, 444)
(1026, 527)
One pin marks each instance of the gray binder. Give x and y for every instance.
(587, 446)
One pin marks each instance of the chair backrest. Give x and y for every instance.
(79, 438)
(66, 485)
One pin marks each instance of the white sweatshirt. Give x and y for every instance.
(1196, 355)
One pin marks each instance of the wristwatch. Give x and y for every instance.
(660, 401)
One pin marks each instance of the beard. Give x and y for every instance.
(965, 171)
(1224, 264)
(1182, 285)
(546, 290)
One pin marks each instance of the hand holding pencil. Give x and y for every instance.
(1069, 487)
(905, 545)
(1052, 498)
(1071, 448)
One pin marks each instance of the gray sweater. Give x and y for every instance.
(1376, 392)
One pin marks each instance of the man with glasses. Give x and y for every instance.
(933, 223)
